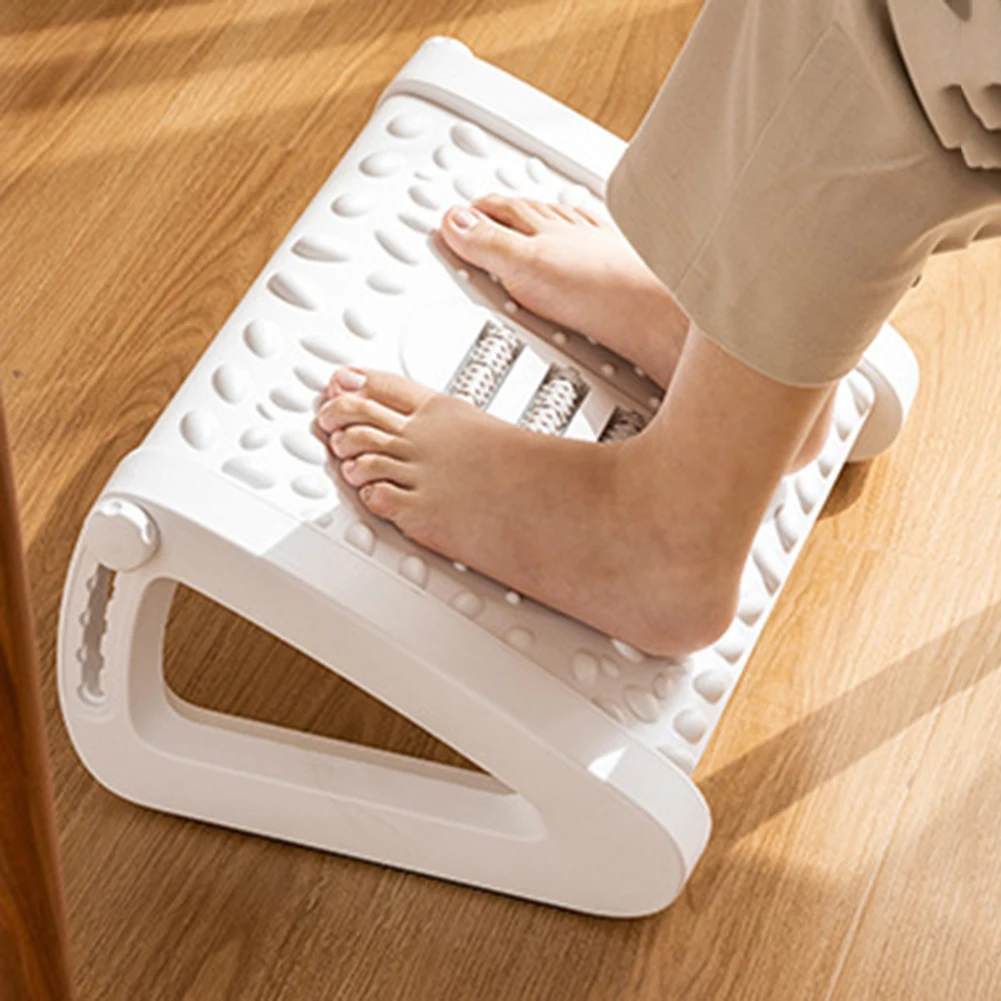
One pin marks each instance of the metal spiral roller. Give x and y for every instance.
(623, 424)
(555, 401)
(487, 365)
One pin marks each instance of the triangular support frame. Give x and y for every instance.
(575, 810)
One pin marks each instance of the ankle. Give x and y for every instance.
(677, 518)
(666, 325)
(816, 438)
(688, 609)
(685, 572)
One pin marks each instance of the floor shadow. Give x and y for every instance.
(307, 122)
(236, 42)
(219, 661)
(298, 927)
(830, 740)
(36, 15)
(847, 490)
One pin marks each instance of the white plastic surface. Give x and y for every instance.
(890, 366)
(589, 743)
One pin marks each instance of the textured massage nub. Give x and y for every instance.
(623, 424)
(556, 401)
(487, 365)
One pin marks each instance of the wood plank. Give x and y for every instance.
(930, 927)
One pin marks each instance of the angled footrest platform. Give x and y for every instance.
(589, 744)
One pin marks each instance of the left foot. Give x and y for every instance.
(569, 267)
(574, 526)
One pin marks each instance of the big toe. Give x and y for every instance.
(483, 242)
(386, 388)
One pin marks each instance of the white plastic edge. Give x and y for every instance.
(892, 368)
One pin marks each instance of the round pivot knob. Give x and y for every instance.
(121, 534)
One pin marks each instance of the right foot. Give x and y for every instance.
(569, 267)
(582, 528)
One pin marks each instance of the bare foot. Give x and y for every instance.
(574, 525)
(567, 266)
(573, 269)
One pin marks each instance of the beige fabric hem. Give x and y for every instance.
(787, 187)
(704, 300)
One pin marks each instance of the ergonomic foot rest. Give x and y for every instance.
(589, 744)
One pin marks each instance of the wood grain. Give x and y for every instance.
(34, 944)
(155, 152)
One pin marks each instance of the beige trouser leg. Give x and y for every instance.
(787, 186)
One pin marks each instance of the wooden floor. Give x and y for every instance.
(154, 153)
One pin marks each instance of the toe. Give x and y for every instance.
(374, 467)
(566, 214)
(384, 500)
(388, 388)
(347, 409)
(588, 216)
(483, 242)
(393, 390)
(350, 379)
(542, 209)
(358, 438)
(514, 213)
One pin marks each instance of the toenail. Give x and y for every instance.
(337, 437)
(347, 467)
(463, 219)
(325, 418)
(349, 378)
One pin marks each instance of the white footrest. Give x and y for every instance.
(589, 744)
